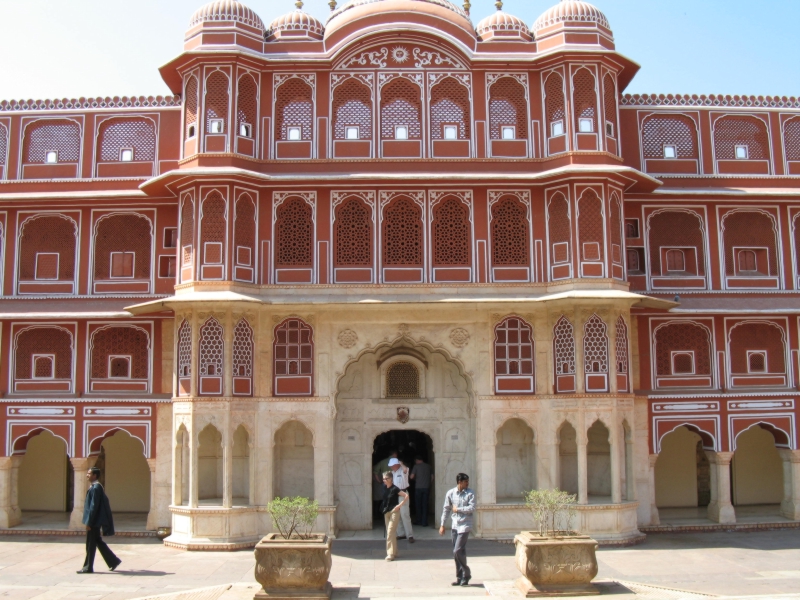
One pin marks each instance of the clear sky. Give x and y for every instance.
(74, 48)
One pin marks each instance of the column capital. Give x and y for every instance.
(151, 462)
(653, 458)
(81, 463)
(719, 458)
(792, 456)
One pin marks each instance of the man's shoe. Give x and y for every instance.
(114, 568)
(411, 540)
(401, 537)
(456, 582)
(465, 582)
(84, 571)
(389, 558)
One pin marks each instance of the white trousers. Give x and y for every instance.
(405, 528)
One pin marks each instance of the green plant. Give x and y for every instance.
(553, 511)
(293, 516)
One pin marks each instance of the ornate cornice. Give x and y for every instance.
(91, 103)
(710, 101)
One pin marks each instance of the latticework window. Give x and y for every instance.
(138, 135)
(616, 230)
(765, 337)
(749, 229)
(451, 233)
(621, 344)
(3, 144)
(564, 347)
(52, 135)
(246, 104)
(402, 380)
(187, 232)
(212, 229)
(294, 349)
(595, 346)
(791, 138)
(353, 234)
(450, 106)
(123, 233)
(678, 131)
(554, 101)
(510, 228)
(558, 226)
(675, 228)
(683, 337)
(610, 101)
(585, 98)
(402, 233)
(217, 98)
(244, 231)
(54, 234)
(125, 341)
(191, 102)
(508, 107)
(185, 349)
(730, 132)
(401, 104)
(513, 348)
(294, 234)
(43, 340)
(294, 107)
(243, 347)
(590, 226)
(211, 348)
(352, 107)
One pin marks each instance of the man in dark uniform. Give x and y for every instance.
(97, 515)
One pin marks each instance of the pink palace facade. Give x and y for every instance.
(400, 222)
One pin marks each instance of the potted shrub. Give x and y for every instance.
(294, 562)
(555, 560)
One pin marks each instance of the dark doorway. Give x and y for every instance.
(408, 444)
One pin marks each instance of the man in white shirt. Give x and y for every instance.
(400, 479)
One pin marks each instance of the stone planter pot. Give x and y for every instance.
(556, 566)
(293, 568)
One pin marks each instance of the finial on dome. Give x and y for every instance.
(499, 5)
(299, 5)
(467, 6)
(332, 4)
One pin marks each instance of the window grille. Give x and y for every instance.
(590, 223)
(211, 348)
(191, 101)
(621, 346)
(294, 234)
(513, 348)
(246, 103)
(676, 261)
(402, 233)
(43, 367)
(402, 381)
(450, 106)
(610, 101)
(51, 234)
(791, 137)
(634, 264)
(676, 337)
(554, 100)
(683, 364)
(43, 340)
(585, 98)
(749, 229)
(185, 349)
(59, 135)
(216, 98)
(757, 336)
(733, 131)
(757, 362)
(294, 348)
(244, 228)
(401, 105)
(130, 341)
(595, 346)
(243, 349)
(558, 223)
(118, 134)
(212, 226)
(352, 106)
(564, 347)
(353, 230)
(187, 232)
(451, 233)
(3, 144)
(616, 231)
(678, 131)
(675, 228)
(509, 232)
(294, 107)
(508, 105)
(123, 233)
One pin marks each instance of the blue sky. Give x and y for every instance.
(73, 48)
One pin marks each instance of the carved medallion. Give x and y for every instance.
(403, 414)
(459, 337)
(347, 338)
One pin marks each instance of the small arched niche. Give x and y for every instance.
(598, 460)
(568, 458)
(294, 461)
(43, 474)
(209, 466)
(241, 467)
(515, 464)
(180, 489)
(757, 468)
(682, 473)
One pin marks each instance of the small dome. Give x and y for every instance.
(502, 25)
(296, 24)
(571, 10)
(226, 10)
(353, 3)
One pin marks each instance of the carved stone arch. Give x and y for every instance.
(27, 249)
(71, 149)
(728, 129)
(674, 129)
(120, 326)
(785, 350)
(96, 442)
(782, 437)
(57, 372)
(413, 51)
(791, 139)
(675, 234)
(584, 97)
(304, 420)
(741, 234)
(555, 106)
(591, 218)
(708, 338)
(294, 104)
(709, 438)
(525, 417)
(132, 240)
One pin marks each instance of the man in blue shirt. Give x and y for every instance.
(459, 505)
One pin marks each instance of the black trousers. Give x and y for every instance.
(94, 542)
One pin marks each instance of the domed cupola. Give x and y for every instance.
(297, 25)
(213, 23)
(502, 26)
(569, 22)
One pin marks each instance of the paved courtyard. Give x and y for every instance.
(764, 563)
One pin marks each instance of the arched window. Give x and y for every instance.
(564, 347)
(683, 348)
(452, 234)
(47, 253)
(127, 140)
(750, 241)
(352, 111)
(401, 110)
(212, 235)
(184, 358)
(211, 357)
(610, 105)
(402, 380)
(190, 99)
(590, 230)
(508, 110)
(3, 148)
(634, 266)
(513, 357)
(187, 239)
(559, 229)
(595, 354)
(676, 261)
(616, 233)
(402, 234)
(42, 352)
(51, 141)
(738, 137)
(243, 349)
(294, 111)
(293, 352)
(555, 110)
(669, 137)
(246, 106)
(120, 353)
(122, 247)
(758, 348)
(791, 138)
(217, 101)
(510, 233)
(352, 230)
(585, 99)
(673, 234)
(294, 234)
(244, 239)
(450, 110)
(621, 354)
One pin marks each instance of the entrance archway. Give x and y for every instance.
(125, 473)
(45, 475)
(757, 468)
(682, 472)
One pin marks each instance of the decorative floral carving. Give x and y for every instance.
(375, 58)
(423, 58)
(459, 337)
(403, 329)
(400, 54)
(347, 338)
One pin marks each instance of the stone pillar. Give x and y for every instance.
(611, 331)
(720, 509)
(654, 518)
(555, 464)
(616, 471)
(580, 371)
(583, 481)
(195, 368)
(790, 507)
(80, 487)
(152, 523)
(227, 470)
(194, 490)
(227, 355)
(10, 514)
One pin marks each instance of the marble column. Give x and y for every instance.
(80, 486)
(194, 469)
(227, 471)
(583, 482)
(10, 514)
(616, 471)
(654, 518)
(720, 509)
(152, 525)
(790, 507)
